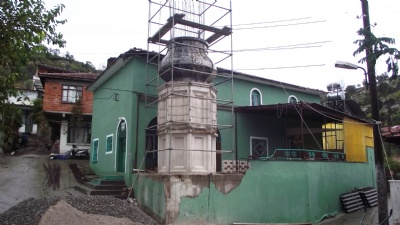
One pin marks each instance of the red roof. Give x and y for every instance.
(391, 134)
(70, 76)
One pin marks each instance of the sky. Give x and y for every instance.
(297, 42)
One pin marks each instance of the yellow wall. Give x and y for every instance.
(357, 137)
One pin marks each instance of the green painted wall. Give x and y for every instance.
(130, 81)
(270, 94)
(227, 138)
(150, 196)
(107, 113)
(259, 125)
(271, 192)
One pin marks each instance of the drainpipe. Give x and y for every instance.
(302, 125)
(137, 131)
(236, 141)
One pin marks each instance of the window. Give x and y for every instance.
(292, 99)
(95, 150)
(71, 93)
(258, 147)
(109, 144)
(78, 134)
(255, 97)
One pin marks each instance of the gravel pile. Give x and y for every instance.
(31, 210)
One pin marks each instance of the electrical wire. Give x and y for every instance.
(384, 149)
(281, 25)
(303, 121)
(283, 67)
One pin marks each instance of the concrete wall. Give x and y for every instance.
(270, 94)
(269, 192)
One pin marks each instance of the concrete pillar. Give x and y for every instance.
(395, 200)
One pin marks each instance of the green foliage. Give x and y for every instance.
(52, 58)
(350, 90)
(393, 164)
(388, 96)
(379, 47)
(76, 114)
(39, 118)
(24, 26)
(10, 123)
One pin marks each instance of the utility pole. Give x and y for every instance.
(379, 157)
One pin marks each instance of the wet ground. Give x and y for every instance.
(24, 176)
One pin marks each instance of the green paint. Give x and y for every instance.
(280, 192)
(127, 82)
(270, 192)
(130, 82)
(270, 94)
(150, 196)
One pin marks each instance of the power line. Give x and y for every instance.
(281, 25)
(284, 67)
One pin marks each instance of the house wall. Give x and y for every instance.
(259, 125)
(357, 136)
(269, 192)
(270, 94)
(52, 98)
(128, 83)
(64, 145)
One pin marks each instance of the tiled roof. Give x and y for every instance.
(391, 134)
(72, 76)
(54, 68)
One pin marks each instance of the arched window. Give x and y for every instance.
(292, 99)
(255, 97)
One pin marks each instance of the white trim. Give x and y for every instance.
(292, 96)
(251, 91)
(121, 119)
(112, 139)
(260, 138)
(97, 152)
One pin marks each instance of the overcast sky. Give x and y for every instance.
(320, 32)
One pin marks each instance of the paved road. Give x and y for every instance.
(354, 218)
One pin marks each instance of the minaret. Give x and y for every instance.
(187, 124)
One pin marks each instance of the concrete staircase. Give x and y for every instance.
(105, 185)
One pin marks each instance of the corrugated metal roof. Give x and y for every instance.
(310, 111)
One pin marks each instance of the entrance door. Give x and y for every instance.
(121, 147)
(151, 145)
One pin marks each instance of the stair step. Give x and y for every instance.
(112, 177)
(96, 186)
(107, 182)
(85, 190)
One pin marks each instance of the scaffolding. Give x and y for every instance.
(212, 23)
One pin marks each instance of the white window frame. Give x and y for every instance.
(112, 144)
(292, 96)
(69, 89)
(259, 138)
(95, 150)
(251, 92)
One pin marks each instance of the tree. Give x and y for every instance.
(378, 47)
(24, 26)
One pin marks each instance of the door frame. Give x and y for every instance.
(121, 119)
